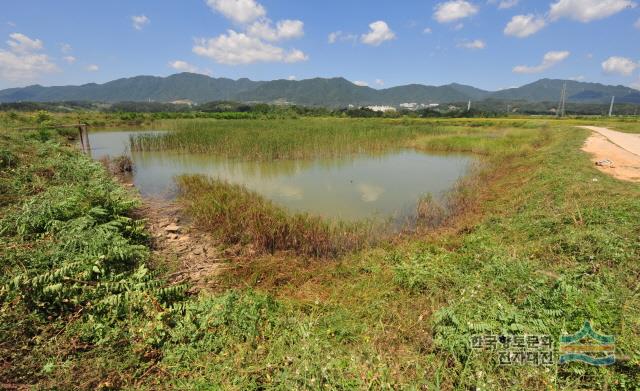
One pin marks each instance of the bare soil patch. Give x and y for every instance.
(616, 159)
(191, 255)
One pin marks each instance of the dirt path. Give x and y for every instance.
(192, 254)
(619, 153)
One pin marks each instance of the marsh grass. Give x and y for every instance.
(280, 139)
(236, 215)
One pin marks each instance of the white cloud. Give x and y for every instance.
(361, 83)
(522, 26)
(22, 62)
(20, 43)
(139, 21)
(637, 24)
(458, 26)
(636, 84)
(284, 29)
(506, 4)
(577, 78)
(182, 66)
(550, 59)
(295, 56)
(588, 10)
(454, 10)
(65, 48)
(379, 32)
(93, 68)
(619, 65)
(379, 82)
(292, 77)
(427, 30)
(239, 11)
(251, 45)
(69, 59)
(16, 67)
(473, 45)
(289, 29)
(340, 36)
(239, 48)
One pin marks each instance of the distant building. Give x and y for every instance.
(409, 106)
(187, 102)
(415, 106)
(381, 108)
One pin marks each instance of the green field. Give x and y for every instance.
(535, 241)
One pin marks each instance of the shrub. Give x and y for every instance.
(7, 159)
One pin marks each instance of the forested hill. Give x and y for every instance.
(334, 92)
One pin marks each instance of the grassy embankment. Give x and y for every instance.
(541, 248)
(75, 292)
(551, 249)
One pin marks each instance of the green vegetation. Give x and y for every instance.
(539, 242)
(281, 139)
(236, 215)
(73, 264)
(318, 92)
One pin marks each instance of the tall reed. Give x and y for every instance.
(281, 139)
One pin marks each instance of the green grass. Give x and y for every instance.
(537, 246)
(281, 139)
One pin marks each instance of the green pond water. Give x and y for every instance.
(383, 186)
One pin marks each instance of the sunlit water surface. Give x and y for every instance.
(351, 188)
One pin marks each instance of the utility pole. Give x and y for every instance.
(613, 99)
(563, 98)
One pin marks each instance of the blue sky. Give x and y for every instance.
(490, 44)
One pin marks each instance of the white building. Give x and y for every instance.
(187, 102)
(409, 106)
(416, 106)
(381, 108)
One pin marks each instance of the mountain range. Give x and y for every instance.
(333, 92)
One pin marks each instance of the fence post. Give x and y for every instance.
(84, 138)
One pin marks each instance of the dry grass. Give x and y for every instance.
(237, 215)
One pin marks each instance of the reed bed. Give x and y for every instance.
(237, 215)
(282, 139)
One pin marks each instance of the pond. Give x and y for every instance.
(350, 188)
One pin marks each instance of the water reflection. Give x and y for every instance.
(385, 185)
